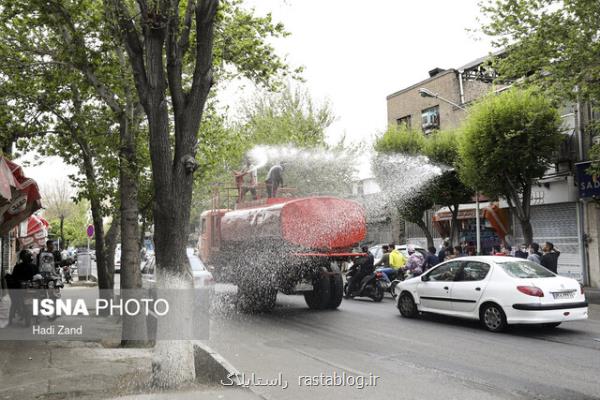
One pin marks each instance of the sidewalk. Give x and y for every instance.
(592, 295)
(54, 370)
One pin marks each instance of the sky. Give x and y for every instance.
(355, 53)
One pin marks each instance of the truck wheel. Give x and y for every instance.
(337, 287)
(319, 297)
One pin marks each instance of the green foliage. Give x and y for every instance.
(290, 116)
(75, 225)
(442, 147)
(551, 43)
(400, 139)
(508, 141)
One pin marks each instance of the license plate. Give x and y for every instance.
(564, 295)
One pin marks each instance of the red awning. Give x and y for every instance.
(33, 232)
(497, 217)
(24, 198)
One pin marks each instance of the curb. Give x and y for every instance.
(211, 367)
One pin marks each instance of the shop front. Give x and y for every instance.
(493, 221)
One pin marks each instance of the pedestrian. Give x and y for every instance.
(414, 264)
(22, 272)
(522, 251)
(506, 250)
(444, 251)
(497, 250)
(550, 256)
(534, 253)
(431, 260)
(274, 179)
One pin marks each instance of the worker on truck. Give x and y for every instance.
(246, 180)
(274, 179)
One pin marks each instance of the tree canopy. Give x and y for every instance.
(551, 43)
(509, 140)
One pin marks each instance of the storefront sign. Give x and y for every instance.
(588, 185)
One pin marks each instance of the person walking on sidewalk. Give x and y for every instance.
(534, 253)
(550, 257)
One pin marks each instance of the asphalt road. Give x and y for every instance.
(430, 357)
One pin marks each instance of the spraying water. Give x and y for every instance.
(337, 171)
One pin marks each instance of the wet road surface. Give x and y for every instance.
(319, 354)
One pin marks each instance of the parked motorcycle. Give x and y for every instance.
(373, 286)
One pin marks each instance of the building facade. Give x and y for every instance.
(558, 214)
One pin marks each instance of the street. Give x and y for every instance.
(430, 357)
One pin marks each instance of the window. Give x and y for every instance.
(474, 271)
(430, 119)
(406, 121)
(524, 269)
(445, 272)
(203, 227)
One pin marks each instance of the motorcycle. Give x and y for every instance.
(68, 271)
(389, 280)
(42, 286)
(373, 285)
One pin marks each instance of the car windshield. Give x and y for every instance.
(525, 269)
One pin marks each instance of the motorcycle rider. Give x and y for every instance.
(22, 272)
(49, 259)
(383, 265)
(397, 261)
(365, 267)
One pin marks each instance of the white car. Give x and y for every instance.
(498, 291)
(203, 279)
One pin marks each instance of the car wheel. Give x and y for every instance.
(407, 306)
(493, 318)
(551, 325)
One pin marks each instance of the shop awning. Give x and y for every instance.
(491, 211)
(33, 232)
(465, 211)
(24, 198)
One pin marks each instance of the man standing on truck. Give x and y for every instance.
(250, 179)
(274, 179)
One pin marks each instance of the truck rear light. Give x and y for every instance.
(531, 291)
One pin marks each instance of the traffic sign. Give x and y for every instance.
(90, 230)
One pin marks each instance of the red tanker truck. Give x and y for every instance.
(291, 245)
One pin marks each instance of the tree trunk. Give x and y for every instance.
(527, 231)
(112, 238)
(454, 226)
(421, 224)
(106, 281)
(134, 326)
